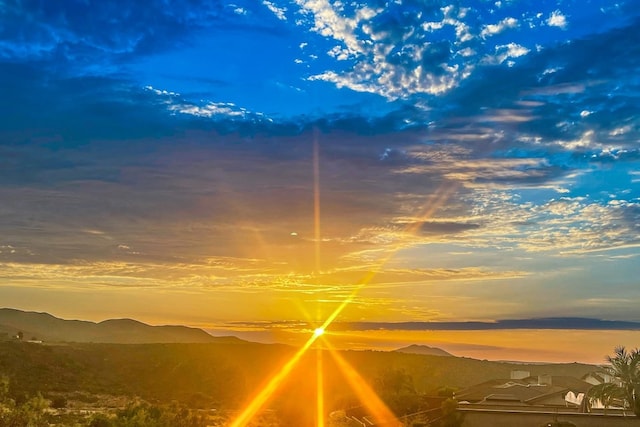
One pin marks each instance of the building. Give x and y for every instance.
(520, 390)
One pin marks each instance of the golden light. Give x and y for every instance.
(367, 396)
(319, 387)
(256, 404)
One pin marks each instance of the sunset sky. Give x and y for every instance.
(246, 166)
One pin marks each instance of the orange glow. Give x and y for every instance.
(320, 388)
(367, 396)
(261, 398)
(373, 403)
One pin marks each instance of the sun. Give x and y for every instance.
(318, 331)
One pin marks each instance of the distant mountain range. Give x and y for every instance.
(45, 327)
(423, 349)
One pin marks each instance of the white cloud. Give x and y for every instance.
(280, 12)
(586, 140)
(492, 29)
(557, 19)
(620, 131)
(209, 110)
(161, 92)
(240, 11)
(389, 61)
(339, 53)
(504, 52)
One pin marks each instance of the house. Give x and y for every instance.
(518, 391)
(596, 378)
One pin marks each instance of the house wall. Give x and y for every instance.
(490, 418)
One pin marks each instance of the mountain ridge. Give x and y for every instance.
(44, 326)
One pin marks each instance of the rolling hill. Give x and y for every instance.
(48, 328)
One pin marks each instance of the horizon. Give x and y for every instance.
(263, 165)
(475, 343)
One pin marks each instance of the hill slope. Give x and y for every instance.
(229, 373)
(43, 326)
(423, 349)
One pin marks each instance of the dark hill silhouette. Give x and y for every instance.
(45, 327)
(423, 349)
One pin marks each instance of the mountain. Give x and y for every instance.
(423, 349)
(45, 327)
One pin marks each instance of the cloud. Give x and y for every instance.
(68, 28)
(470, 143)
(435, 227)
(504, 52)
(394, 54)
(556, 323)
(280, 12)
(543, 323)
(492, 29)
(557, 19)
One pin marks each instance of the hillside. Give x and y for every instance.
(423, 349)
(227, 373)
(48, 328)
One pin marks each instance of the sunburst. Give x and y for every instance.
(366, 395)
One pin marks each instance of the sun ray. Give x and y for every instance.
(319, 386)
(365, 393)
(367, 396)
(267, 391)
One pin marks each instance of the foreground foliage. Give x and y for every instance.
(29, 413)
(145, 415)
(624, 367)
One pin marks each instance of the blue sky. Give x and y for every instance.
(482, 157)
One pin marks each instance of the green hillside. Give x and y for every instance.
(227, 374)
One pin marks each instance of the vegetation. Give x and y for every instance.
(30, 413)
(395, 387)
(145, 415)
(450, 415)
(40, 385)
(624, 367)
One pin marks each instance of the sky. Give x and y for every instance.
(248, 166)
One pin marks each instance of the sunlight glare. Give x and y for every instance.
(366, 395)
(261, 398)
(364, 392)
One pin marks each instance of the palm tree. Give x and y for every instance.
(625, 369)
(606, 393)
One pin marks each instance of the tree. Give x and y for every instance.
(625, 369)
(59, 402)
(450, 415)
(606, 393)
(395, 388)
